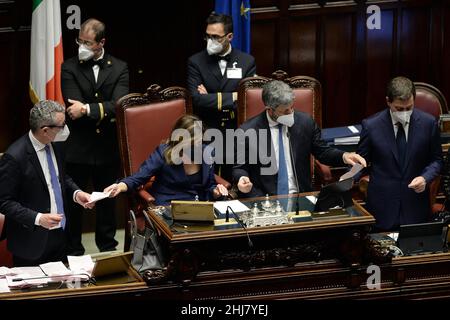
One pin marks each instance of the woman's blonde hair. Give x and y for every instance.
(186, 122)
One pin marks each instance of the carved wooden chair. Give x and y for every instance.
(144, 121)
(308, 98)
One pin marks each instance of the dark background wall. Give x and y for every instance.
(327, 40)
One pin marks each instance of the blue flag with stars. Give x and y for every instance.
(240, 11)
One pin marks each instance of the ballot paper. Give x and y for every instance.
(236, 205)
(4, 288)
(81, 264)
(97, 196)
(355, 169)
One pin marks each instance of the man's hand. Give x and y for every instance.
(49, 220)
(201, 89)
(244, 185)
(351, 158)
(82, 198)
(76, 109)
(115, 189)
(418, 184)
(219, 191)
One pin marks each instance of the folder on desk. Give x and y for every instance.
(342, 134)
(193, 210)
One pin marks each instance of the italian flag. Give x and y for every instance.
(46, 51)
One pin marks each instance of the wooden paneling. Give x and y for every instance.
(329, 40)
(379, 50)
(303, 45)
(324, 39)
(337, 66)
(265, 39)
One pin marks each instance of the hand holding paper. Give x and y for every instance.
(97, 196)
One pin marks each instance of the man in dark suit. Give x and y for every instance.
(34, 189)
(213, 78)
(91, 84)
(281, 147)
(402, 145)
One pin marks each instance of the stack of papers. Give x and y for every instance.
(24, 277)
(342, 135)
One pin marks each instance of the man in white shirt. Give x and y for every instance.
(34, 189)
(292, 158)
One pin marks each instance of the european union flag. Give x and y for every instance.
(240, 11)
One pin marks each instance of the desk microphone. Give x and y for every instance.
(241, 223)
(297, 202)
(90, 279)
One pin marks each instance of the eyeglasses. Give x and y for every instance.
(214, 37)
(55, 126)
(87, 43)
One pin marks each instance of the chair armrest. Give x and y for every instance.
(324, 171)
(220, 180)
(147, 197)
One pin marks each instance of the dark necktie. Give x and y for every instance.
(401, 144)
(282, 185)
(55, 186)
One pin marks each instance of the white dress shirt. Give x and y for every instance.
(274, 131)
(42, 157)
(223, 62)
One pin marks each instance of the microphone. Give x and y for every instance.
(227, 215)
(90, 279)
(297, 202)
(241, 223)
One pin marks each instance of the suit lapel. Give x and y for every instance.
(104, 71)
(389, 134)
(87, 72)
(32, 157)
(213, 67)
(414, 126)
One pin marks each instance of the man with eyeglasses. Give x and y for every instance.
(214, 75)
(35, 190)
(289, 138)
(91, 83)
(402, 145)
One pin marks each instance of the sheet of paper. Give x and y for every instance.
(4, 271)
(236, 205)
(313, 199)
(97, 196)
(353, 129)
(55, 269)
(81, 264)
(355, 169)
(4, 288)
(26, 277)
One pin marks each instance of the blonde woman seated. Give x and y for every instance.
(177, 176)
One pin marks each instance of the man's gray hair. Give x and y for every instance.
(400, 88)
(43, 114)
(277, 93)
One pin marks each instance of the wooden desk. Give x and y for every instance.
(341, 238)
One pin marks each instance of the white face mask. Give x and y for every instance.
(84, 53)
(287, 120)
(402, 116)
(62, 135)
(214, 47)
